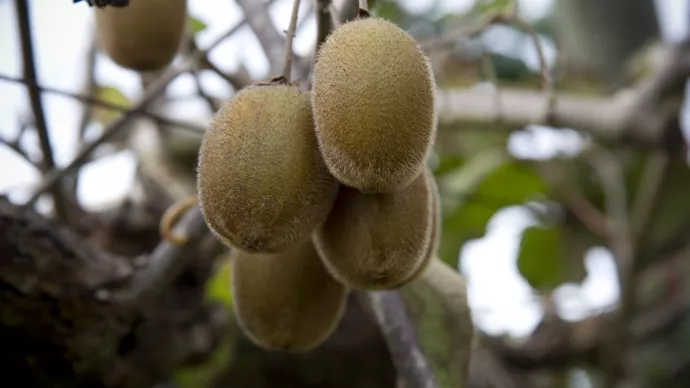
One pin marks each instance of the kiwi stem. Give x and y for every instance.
(288, 41)
(170, 217)
(363, 12)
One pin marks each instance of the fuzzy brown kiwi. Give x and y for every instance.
(286, 301)
(373, 99)
(143, 36)
(261, 180)
(434, 239)
(376, 241)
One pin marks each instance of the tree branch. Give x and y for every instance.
(93, 101)
(152, 91)
(406, 353)
(272, 42)
(168, 259)
(48, 163)
(287, 65)
(324, 21)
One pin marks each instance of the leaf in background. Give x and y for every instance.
(437, 305)
(111, 95)
(473, 193)
(196, 25)
(552, 255)
(672, 210)
(486, 6)
(218, 286)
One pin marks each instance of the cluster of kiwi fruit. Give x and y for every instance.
(143, 36)
(322, 191)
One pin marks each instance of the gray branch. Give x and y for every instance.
(406, 353)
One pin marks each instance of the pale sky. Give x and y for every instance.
(501, 300)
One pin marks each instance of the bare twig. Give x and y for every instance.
(287, 65)
(324, 21)
(647, 192)
(257, 15)
(14, 146)
(364, 4)
(28, 60)
(401, 339)
(107, 105)
(212, 104)
(167, 261)
(152, 91)
(612, 178)
(89, 87)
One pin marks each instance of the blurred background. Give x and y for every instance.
(560, 159)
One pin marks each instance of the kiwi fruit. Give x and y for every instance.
(373, 99)
(261, 181)
(434, 239)
(143, 36)
(377, 241)
(286, 301)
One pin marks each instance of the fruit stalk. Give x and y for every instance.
(288, 41)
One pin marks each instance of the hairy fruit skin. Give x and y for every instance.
(434, 239)
(377, 241)
(143, 36)
(373, 98)
(286, 301)
(261, 181)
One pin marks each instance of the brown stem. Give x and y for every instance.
(22, 7)
(287, 67)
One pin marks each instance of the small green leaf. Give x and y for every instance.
(552, 255)
(479, 188)
(218, 286)
(487, 6)
(540, 259)
(111, 95)
(196, 25)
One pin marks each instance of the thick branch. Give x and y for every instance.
(406, 353)
(28, 60)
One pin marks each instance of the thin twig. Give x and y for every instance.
(612, 178)
(167, 261)
(364, 4)
(401, 339)
(22, 7)
(152, 91)
(107, 105)
(324, 21)
(287, 66)
(647, 192)
(257, 15)
(14, 146)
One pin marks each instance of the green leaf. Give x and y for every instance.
(671, 215)
(111, 95)
(473, 193)
(552, 255)
(218, 286)
(196, 25)
(437, 305)
(499, 6)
